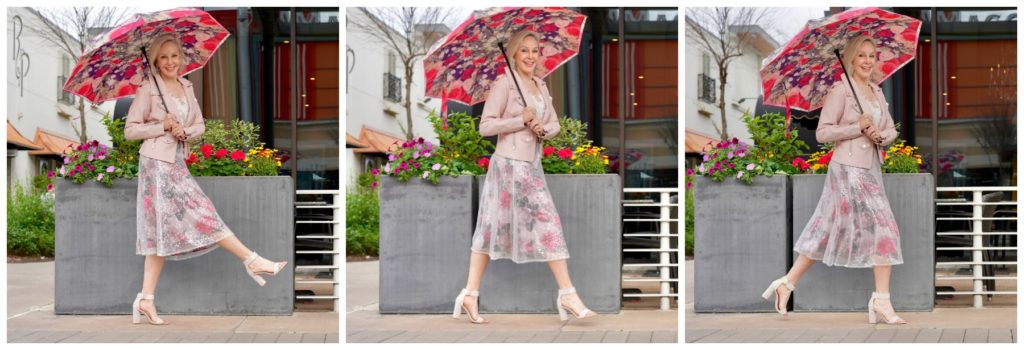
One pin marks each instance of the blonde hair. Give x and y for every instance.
(516, 40)
(850, 53)
(152, 51)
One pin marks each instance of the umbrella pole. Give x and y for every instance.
(512, 73)
(848, 81)
(152, 75)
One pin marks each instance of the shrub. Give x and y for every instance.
(573, 134)
(362, 217)
(775, 148)
(124, 154)
(689, 216)
(461, 145)
(240, 135)
(30, 223)
(901, 159)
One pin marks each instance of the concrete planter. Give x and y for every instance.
(741, 242)
(912, 284)
(425, 234)
(590, 208)
(97, 271)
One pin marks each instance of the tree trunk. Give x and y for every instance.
(722, 74)
(83, 138)
(408, 100)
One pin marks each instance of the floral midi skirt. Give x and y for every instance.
(517, 218)
(853, 224)
(175, 219)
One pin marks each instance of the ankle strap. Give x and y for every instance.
(877, 295)
(251, 258)
(467, 292)
(564, 291)
(145, 296)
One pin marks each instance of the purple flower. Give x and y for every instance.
(110, 169)
(67, 160)
(391, 158)
(750, 166)
(436, 167)
(707, 157)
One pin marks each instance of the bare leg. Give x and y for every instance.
(882, 274)
(150, 276)
(560, 269)
(881, 300)
(235, 246)
(477, 266)
(800, 267)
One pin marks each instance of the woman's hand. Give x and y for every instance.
(529, 116)
(872, 133)
(179, 132)
(537, 128)
(170, 121)
(865, 122)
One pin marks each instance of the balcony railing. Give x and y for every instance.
(706, 87)
(319, 241)
(662, 241)
(392, 88)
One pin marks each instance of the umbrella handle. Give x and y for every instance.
(854, 91)
(512, 73)
(161, 93)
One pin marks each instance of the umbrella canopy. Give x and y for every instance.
(113, 65)
(800, 74)
(463, 65)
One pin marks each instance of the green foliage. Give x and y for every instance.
(216, 167)
(124, 154)
(552, 164)
(41, 183)
(240, 135)
(362, 219)
(773, 150)
(30, 223)
(573, 134)
(461, 145)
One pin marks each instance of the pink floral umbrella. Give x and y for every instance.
(463, 65)
(800, 74)
(114, 65)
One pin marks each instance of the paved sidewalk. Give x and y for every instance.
(30, 319)
(365, 325)
(948, 323)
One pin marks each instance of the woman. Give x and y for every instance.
(517, 218)
(175, 219)
(853, 225)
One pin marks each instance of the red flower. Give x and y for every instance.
(564, 153)
(825, 158)
(191, 159)
(207, 150)
(238, 155)
(484, 162)
(549, 150)
(221, 153)
(800, 163)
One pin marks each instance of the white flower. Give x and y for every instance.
(739, 174)
(426, 174)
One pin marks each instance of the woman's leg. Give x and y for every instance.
(800, 267)
(560, 269)
(881, 300)
(235, 246)
(882, 274)
(150, 276)
(477, 265)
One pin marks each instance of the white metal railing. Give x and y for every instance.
(977, 231)
(665, 249)
(336, 252)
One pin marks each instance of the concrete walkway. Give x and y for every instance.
(365, 325)
(30, 319)
(948, 323)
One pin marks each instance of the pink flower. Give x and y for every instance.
(67, 160)
(49, 187)
(885, 246)
(50, 174)
(62, 171)
(110, 169)
(416, 155)
(91, 157)
(750, 166)
(387, 168)
(100, 177)
(739, 174)
(373, 185)
(506, 199)
(375, 172)
(436, 167)
(552, 240)
(425, 173)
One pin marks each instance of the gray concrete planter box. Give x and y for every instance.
(97, 271)
(741, 242)
(590, 208)
(425, 234)
(912, 284)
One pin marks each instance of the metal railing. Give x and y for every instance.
(334, 235)
(706, 88)
(665, 248)
(980, 222)
(392, 88)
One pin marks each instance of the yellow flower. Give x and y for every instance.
(278, 163)
(606, 161)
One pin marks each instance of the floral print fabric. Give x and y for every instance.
(853, 225)
(517, 218)
(175, 219)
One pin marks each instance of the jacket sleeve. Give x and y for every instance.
(829, 129)
(491, 122)
(197, 127)
(135, 126)
(551, 127)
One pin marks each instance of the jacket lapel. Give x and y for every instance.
(162, 93)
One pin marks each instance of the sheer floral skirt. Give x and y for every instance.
(853, 224)
(517, 219)
(175, 219)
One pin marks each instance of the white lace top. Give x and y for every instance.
(182, 106)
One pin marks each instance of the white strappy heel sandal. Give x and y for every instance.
(773, 288)
(562, 307)
(278, 266)
(889, 316)
(138, 311)
(459, 306)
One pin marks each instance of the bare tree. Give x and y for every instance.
(410, 32)
(722, 32)
(69, 28)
